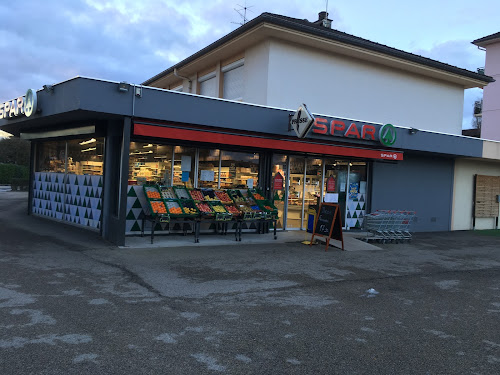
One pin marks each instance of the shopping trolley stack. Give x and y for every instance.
(389, 225)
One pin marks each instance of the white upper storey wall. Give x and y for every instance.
(284, 75)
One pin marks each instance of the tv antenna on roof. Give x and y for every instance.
(242, 11)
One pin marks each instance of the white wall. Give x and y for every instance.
(256, 73)
(463, 193)
(490, 128)
(346, 87)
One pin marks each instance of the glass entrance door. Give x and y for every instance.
(296, 193)
(280, 165)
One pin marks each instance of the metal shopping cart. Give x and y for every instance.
(389, 225)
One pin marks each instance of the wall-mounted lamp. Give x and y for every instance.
(48, 88)
(123, 86)
(138, 91)
(413, 131)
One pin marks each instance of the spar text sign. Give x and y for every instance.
(337, 127)
(22, 106)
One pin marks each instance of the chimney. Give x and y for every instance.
(323, 20)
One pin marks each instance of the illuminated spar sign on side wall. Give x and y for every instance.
(22, 106)
(385, 134)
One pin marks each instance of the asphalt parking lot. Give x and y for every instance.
(73, 304)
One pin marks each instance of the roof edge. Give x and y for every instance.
(481, 42)
(312, 29)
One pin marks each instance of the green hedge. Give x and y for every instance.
(10, 171)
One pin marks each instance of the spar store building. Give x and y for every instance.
(221, 119)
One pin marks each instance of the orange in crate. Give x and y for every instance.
(158, 207)
(153, 194)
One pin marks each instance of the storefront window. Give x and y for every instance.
(68, 181)
(184, 164)
(279, 191)
(239, 170)
(150, 163)
(85, 156)
(208, 168)
(51, 157)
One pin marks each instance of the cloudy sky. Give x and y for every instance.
(49, 41)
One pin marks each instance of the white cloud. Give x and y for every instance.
(134, 40)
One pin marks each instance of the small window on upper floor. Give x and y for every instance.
(177, 88)
(207, 84)
(234, 83)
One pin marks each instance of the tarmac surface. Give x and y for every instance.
(71, 303)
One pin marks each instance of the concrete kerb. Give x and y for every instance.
(351, 243)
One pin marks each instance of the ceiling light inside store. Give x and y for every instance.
(87, 142)
(90, 149)
(149, 145)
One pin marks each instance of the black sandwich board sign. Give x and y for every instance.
(328, 224)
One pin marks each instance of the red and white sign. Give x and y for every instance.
(330, 185)
(172, 132)
(278, 181)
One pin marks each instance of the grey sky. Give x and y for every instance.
(49, 41)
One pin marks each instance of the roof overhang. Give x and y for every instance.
(487, 40)
(298, 34)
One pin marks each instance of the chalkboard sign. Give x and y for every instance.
(328, 223)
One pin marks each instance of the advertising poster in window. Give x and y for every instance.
(278, 181)
(353, 190)
(207, 175)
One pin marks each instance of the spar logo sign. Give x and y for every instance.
(302, 121)
(387, 135)
(23, 106)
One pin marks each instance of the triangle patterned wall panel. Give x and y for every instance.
(65, 197)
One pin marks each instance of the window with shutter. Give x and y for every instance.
(207, 85)
(234, 84)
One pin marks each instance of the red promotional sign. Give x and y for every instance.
(278, 181)
(330, 185)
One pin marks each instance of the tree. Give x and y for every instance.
(478, 114)
(15, 151)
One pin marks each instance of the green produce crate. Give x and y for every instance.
(209, 195)
(196, 195)
(189, 203)
(220, 211)
(236, 196)
(172, 204)
(233, 209)
(167, 192)
(153, 206)
(182, 193)
(152, 190)
(268, 207)
(256, 194)
(208, 212)
(223, 196)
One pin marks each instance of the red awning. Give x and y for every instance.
(156, 131)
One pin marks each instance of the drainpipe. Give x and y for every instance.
(189, 80)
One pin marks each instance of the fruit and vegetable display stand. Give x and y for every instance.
(166, 207)
(191, 208)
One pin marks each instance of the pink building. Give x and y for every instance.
(490, 128)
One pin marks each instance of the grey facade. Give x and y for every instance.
(419, 183)
(423, 181)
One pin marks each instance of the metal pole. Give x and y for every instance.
(285, 195)
(303, 195)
